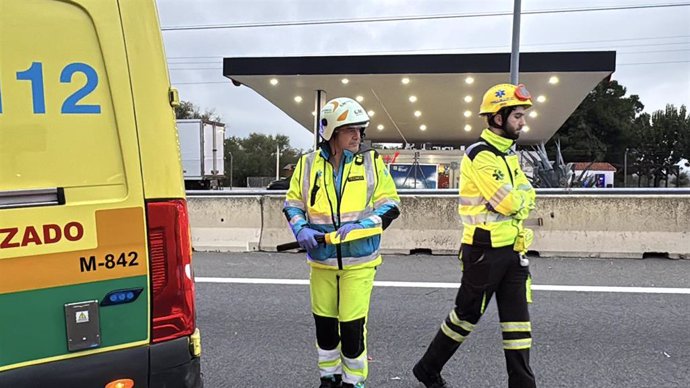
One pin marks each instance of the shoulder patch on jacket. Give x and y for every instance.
(476, 148)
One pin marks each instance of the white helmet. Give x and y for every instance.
(340, 112)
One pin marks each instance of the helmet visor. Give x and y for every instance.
(522, 94)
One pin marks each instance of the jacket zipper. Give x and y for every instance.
(338, 195)
(330, 205)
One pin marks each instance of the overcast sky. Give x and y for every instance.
(652, 44)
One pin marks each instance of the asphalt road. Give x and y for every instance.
(261, 335)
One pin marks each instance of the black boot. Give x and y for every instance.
(429, 379)
(333, 381)
(428, 369)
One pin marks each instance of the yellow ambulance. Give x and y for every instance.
(96, 283)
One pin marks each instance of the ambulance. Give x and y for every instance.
(96, 280)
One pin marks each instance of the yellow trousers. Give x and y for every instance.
(340, 303)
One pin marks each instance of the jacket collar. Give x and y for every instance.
(501, 143)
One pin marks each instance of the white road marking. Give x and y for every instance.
(304, 282)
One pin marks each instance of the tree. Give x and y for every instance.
(681, 181)
(642, 164)
(255, 155)
(659, 142)
(599, 129)
(187, 110)
(684, 137)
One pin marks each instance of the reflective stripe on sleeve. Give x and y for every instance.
(295, 220)
(500, 195)
(295, 204)
(385, 201)
(472, 201)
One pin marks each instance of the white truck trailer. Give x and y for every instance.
(203, 153)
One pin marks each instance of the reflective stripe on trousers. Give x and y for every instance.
(456, 328)
(517, 335)
(329, 362)
(355, 370)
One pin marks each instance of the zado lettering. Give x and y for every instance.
(40, 234)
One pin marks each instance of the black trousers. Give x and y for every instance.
(488, 271)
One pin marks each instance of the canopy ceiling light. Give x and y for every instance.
(442, 86)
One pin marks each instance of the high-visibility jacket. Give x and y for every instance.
(362, 191)
(495, 195)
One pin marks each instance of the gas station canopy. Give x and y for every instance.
(425, 98)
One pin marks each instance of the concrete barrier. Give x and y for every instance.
(426, 223)
(613, 226)
(276, 230)
(572, 225)
(226, 223)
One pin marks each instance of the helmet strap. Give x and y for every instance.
(505, 113)
(493, 123)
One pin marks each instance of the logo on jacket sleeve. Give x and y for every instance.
(498, 175)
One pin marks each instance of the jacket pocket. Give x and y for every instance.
(476, 267)
(322, 252)
(481, 237)
(314, 192)
(360, 248)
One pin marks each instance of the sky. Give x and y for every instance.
(652, 43)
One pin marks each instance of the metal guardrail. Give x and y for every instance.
(227, 192)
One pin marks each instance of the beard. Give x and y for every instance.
(512, 133)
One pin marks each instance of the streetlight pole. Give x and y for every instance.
(277, 162)
(319, 97)
(515, 53)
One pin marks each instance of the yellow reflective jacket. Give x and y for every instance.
(366, 195)
(495, 195)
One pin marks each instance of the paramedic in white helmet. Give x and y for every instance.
(342, 186)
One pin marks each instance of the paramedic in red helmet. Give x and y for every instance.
(495, 199)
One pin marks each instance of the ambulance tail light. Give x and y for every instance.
(170, 262)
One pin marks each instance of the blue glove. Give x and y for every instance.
(347, 228)
(306, 238)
